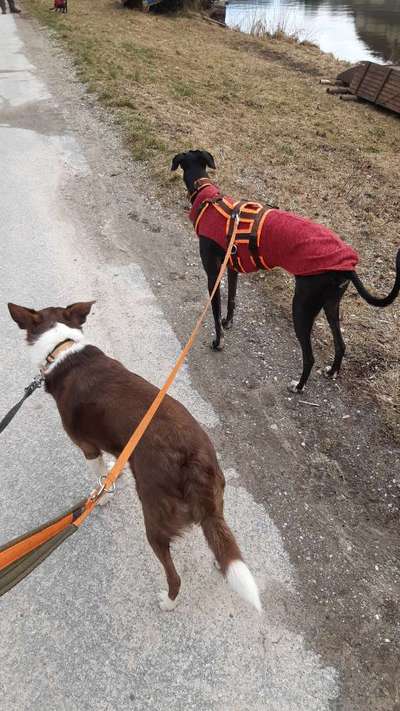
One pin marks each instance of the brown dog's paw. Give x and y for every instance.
(293, 387)
(165, 602)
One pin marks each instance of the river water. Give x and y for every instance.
(351, 30)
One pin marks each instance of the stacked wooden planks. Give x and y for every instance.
(378, 83)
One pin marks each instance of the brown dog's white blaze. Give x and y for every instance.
(175, 466)
(52, 327)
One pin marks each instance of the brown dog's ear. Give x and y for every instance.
(208, 159)
(25, 318)
(177, 161)
(77, 313)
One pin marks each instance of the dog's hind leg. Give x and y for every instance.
(232, 288)
(331, 308)
(160, 544)
(305, 309)
(212, 262)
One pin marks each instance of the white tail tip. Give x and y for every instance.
(241, 581)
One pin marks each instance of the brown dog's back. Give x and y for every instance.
(101, 403)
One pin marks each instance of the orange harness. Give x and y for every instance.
(267, 237)
(245, 256)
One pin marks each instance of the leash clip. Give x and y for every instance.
(36, 383)
(101, 489)
(235, 217)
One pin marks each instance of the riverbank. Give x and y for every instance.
(174, 83)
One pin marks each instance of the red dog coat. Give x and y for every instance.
(283, 239)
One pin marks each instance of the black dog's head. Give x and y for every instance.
(193, 164)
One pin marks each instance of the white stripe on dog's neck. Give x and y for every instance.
(47, 342)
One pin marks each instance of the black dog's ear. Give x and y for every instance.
(177, 161)
(208, 159)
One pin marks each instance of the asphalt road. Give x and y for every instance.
(83, 632)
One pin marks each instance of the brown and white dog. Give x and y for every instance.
(177, 475)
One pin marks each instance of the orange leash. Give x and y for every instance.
(17, 549)
(132, 443)
(12, 553)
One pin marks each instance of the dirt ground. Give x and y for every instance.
(333, 483)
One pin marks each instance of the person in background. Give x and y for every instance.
(11, 5)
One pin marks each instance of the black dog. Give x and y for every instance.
(327, 263)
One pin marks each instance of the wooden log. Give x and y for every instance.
(348, 97)
(338, 90)
(326, 81)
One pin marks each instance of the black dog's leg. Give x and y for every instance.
(331, 308)
(303, 320)
(307, 303)
(211, 261)
(218, 342)
(232, 287)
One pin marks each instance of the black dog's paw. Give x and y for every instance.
(293, 387)
(227, 324)
(218, 345)
(331, 373)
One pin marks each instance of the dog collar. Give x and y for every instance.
(59, 348)
(199, 184)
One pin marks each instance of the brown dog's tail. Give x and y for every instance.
(227, 554)
(374, 300)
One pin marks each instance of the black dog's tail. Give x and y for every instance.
(374, 300)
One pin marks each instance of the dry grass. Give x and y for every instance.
(281, 26)
(179, 83)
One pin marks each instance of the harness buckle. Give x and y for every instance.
(235, 217)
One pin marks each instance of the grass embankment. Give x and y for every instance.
(179, 83)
